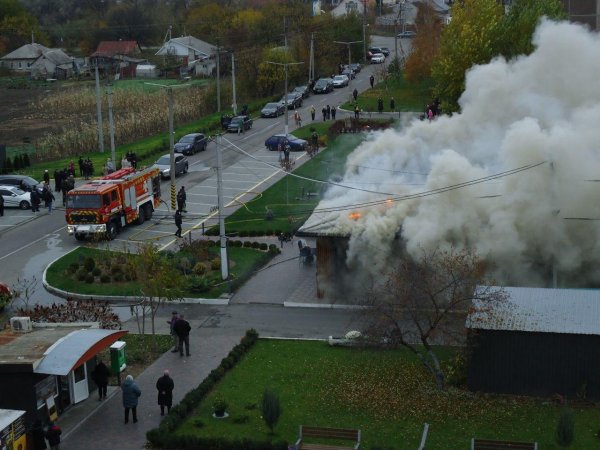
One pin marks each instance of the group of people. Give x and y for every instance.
(36, 196)
(64, 180)
(328, 112)
(180, 330)
(86, 168)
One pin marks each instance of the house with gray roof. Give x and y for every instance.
(197, 57)
(20, 59)
(539, 342)
(53, 63)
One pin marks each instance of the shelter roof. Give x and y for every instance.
(180, 47)
(566, 311)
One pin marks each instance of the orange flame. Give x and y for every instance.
(354, 215)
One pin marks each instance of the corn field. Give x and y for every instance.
(136, 114)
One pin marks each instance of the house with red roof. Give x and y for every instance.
(117, 57)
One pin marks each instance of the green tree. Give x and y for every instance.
(270, 408)
(517, 27)
(425, 45)
(271, 77)
(16, 26)
(470, 38)
(565, 428)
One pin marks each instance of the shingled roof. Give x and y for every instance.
(27, 51)
(112, 48)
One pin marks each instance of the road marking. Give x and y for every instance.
(33, 242)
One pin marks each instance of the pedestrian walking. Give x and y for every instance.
(131, 394)
(181, 199)
(65, 189)
(328, 113)
(356, 112)
(430, 114)
(53, 435)
(324, 111)
(48, 198)
(100, 376)
(165, 386)
(178, 222)
(392, 104)
(80, 163)
(72, 168)
(280, 150)
(372, 80)
(355, 94)
(333, 112)
(380, 105)
(313, 111)
(34, 199)
(46, 177)
(171, 323)
(182, 328)
(57, 180)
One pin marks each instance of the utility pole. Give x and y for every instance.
(99, 111)
(365, 25)
(349, 49)
(218, 77)
(222, 237)
(284, 33)
(111, 126)
(234, 105)
(172, 149)
(285, 65)
(311, 59)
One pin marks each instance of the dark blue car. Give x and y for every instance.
(296, 144)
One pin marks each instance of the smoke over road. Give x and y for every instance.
(542, 108)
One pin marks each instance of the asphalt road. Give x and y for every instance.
(28, 246)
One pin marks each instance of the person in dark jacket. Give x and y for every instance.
(178, 222)
(182, 328)
(171, 323)
(181, 199)
(131, 393)
(46, 177)
(34, 199)
(53, 435)
(57, 180)
(37, 433)
(165, 387)
(48, 197)
(1, 206)
(100, 376)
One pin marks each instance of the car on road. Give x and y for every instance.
(356, 67)
(15, 197)
(191, 143)
(304, 91)
(23, 182)
(239, 123)
(373, 51)
(294, 100)
(407, 34)
(296, 144)
(349, 73)
(378, 58)
(340, 81)
(272, 110)
(385, 51)
(323, 86)
(164, 165)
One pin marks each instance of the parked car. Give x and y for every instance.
(164, 165)
(296, 144)
(191, 143)
(349, 73)
(340, 81)
(303, 90)
(378, 58)
(385, 51)
(373, 51)
(240, 123)
(294, 100)
(23, 182)
(15, 197)
(356, 67)
(323, 86)
(272, 110)
(407, 34)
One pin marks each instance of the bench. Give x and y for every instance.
(327, 433)
(487, 444)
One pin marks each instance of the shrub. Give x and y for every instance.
(96, 271)
(198, 423)
(89, 263)
(81, 274)
(89, 278)
(73, 267)
(197, 283)
(264, 246)
(215, 264)
(247, 244)
(227, 362)
(565, 429)
(238, 243)
(270, 408)
(243, 233)
(244, 418)
(118, 276)
(269, 215)
(255, 244)
(104, 278)
(116, 268)
(200, 268)
(250, 406)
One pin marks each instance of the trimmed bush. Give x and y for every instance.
(247, 244)
(116, 268)
(89, 278)
(199, 268)
(73, 267)
(264, 246)
(118, 276)
(81, 274)
(96, 271)
(104, 278)
(256, 244)
(89, 263)
(565, 428)
(270, 408)
(215, 264)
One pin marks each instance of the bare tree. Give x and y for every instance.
(22, 291)
(424, 301)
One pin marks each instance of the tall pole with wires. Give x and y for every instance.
(285, 65)
(99, 111)
(348, 44)
(111, 126)
(222, 236)
(234, 104)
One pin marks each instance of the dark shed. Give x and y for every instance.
(540, 342)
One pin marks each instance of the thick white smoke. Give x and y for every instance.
(541, 108)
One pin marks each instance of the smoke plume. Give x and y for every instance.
(541, 110)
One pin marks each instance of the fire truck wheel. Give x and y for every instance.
(148, 211)
(111, 230)
(141, 216)
(79, 237)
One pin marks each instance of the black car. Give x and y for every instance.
(191, 143)
(296, 144)
(323, 86)
(349, 73)
(304, 91)
(385, 51)
(294, 100)
(356, 67)
(272, 110)
(23, 182)
(239, 123)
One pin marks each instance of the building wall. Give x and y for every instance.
(17, 392)
(540, 364)
(584, 11)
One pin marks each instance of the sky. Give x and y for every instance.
(527, 143)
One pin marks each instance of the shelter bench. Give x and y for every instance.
(327, 433)
(487, 444)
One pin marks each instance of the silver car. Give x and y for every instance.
(15, 197)
(164, 165)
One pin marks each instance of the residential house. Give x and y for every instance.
(196, 56)
(53, 63)
(117, 57)
(20, 59)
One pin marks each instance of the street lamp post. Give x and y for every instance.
(349, 49)
(285, 65)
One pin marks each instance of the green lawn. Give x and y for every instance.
(386, 394)
(244, 262)
(285, 199)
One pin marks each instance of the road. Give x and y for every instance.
(28, 246)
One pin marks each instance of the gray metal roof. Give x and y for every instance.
(27, 51)
(567, 311)
(65, 354)
(8, 416)
(180, 46)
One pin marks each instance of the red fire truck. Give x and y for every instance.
(102, 207)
